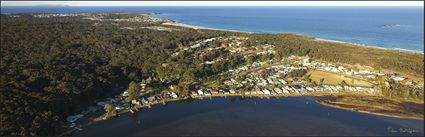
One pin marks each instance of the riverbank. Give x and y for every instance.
(249, 116)
(376, 105)
(324, 98)
(321, 98)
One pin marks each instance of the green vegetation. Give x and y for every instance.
(297, 73)
(397, 90)
(302, 45)
(134, 91)
(334, 79)
(55, 67)
(110, 109)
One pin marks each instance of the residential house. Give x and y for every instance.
(151, 99)
(266, 91)
(194, 93)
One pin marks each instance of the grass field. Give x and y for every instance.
(333, 78)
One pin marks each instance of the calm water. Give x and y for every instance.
(361, 25)
(250, 116)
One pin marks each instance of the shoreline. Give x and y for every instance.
(368, 112)
(270, 96)
(388, 108)
(103, 117)
(175, 23)
(267, 96)
(368, 46)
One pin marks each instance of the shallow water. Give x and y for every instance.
(250, 116)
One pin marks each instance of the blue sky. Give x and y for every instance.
(215, 3)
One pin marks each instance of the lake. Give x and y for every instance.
(387, 27)
(236, 116)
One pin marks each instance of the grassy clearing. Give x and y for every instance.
(378, 105)
(334, 79)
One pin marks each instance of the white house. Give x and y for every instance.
(266, 91)
(200, 92)
(278, 90)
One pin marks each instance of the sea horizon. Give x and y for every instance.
(405, 36)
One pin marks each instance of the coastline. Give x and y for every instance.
(270, 96)
(368, 112)
(200, 27)
(381, 107)
(315, 98)
(368, 46)
(179, 24)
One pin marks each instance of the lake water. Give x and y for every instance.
(249, 116)
(387, 27)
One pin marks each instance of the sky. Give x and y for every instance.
(215, 3)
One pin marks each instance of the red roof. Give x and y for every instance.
(227, 81)
(407, 80)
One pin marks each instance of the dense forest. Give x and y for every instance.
(54, 67)
(51, 68)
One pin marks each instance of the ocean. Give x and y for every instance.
(400, 28)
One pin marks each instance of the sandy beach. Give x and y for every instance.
(199, 27)
(368, 46)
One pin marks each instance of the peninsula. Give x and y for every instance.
(70, 70)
